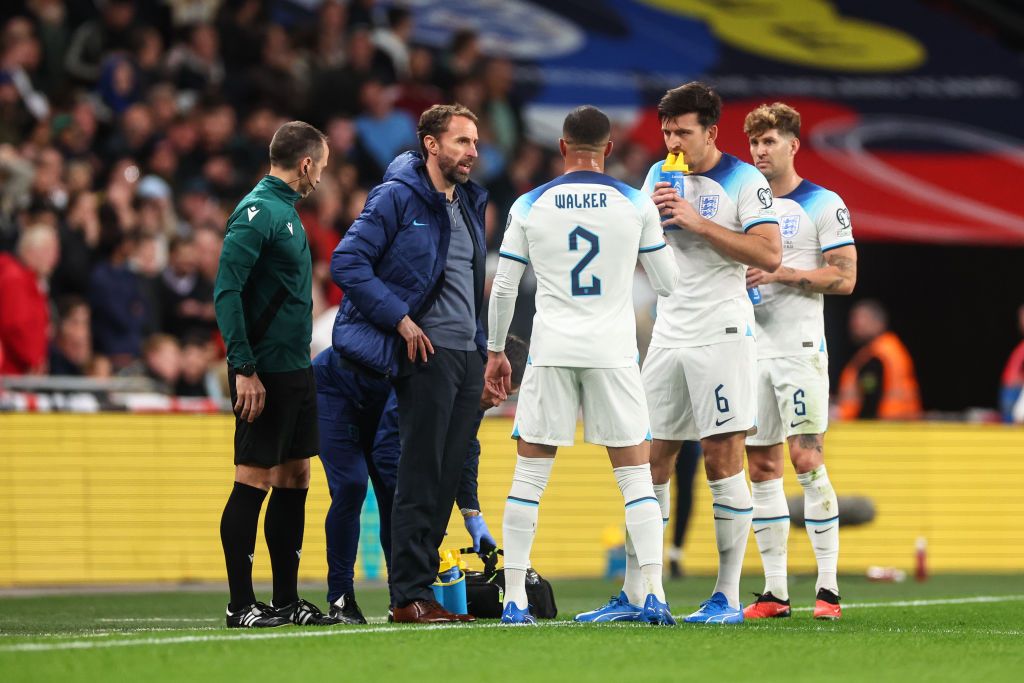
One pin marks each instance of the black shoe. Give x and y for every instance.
(346, 611)
(675, 570)
(304, 613)
(391, 615)
(256, 615)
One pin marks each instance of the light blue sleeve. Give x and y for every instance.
(653, 176)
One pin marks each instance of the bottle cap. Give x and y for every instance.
(675, 162)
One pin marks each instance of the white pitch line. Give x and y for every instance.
(327, 633)
(925, 603)
(205, 620)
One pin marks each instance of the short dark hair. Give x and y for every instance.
(692, 98)
(586, 127)
(517, 351)
(67, 304)
(397, 14)
(293, 142)
(461, 39)
(434, 121)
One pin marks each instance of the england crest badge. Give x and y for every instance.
(707, 205)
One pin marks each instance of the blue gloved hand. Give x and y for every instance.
(481, 535)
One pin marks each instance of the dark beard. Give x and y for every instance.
(450, 170)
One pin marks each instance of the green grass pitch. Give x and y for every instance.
(950, 628)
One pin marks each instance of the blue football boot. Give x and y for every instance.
(716, 610)
(657, 612)
(513, 616)
(617, 609)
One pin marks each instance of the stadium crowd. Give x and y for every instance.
(129, 130)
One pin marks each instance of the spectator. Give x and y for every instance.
(119, 311)
(19, 63)
(186, 299)
(94, 40)
(1013, 377)
(197, 66)
(79, 237)
(502, 112)
(71, 349)
(329, 52)
(118, 86)
(24, 311)
(51, 19)
(394, 38)
(197, 378)
(879, 381)
(208, 243)
(417, 90)
(385, 132)
(462, 60)
(161, 361)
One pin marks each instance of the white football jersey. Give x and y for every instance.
(583, 232)
(710, 302)
(790, 322)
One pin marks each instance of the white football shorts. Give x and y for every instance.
(792, 398)
(699, 391)
(614, 407)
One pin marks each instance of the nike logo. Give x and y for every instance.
(757, 531)
(422, 225)
(823, 530)
(252, 212)
(719, 424)
(724, 519)
(797, 424)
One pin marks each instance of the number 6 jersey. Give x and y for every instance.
(710, 304)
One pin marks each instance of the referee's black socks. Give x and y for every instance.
(238, 527)
(283, 527)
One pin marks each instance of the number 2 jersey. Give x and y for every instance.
(583, 232)
(813, 221)
(710, 303)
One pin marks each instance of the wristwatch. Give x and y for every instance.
(246, 369)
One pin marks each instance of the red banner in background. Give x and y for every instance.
(967, 197)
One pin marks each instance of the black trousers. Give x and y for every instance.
(437, 407)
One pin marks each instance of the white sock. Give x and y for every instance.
(643, 522)
(732, 509)
(664, 494)
(771, 531)
(633, 582)
(520, 523)
(821, 516)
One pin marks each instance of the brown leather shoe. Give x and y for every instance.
(428, 612)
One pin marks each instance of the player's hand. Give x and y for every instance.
(498, 375)
(674, 209)
(252, 396)
(483, 542)
(756, 277)
(489, 399)
(416, 341)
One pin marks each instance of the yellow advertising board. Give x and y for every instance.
(117, 498)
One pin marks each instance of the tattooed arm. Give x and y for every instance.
(838, 277)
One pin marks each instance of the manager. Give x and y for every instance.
(412, 269)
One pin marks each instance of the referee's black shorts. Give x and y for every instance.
(287, 427)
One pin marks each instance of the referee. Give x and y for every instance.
(263, 298)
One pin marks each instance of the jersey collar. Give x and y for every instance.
(281, 189)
